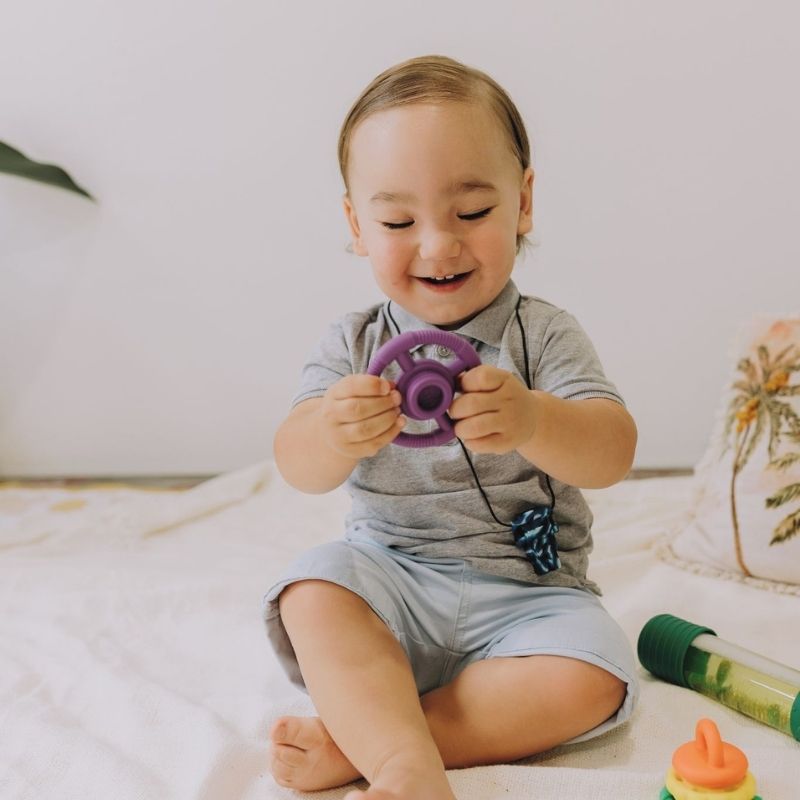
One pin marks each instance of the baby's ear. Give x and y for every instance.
(355, 231)
(525, 221)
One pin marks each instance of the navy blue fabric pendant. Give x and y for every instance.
(535, 533)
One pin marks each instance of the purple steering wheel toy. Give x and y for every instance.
(426, 386)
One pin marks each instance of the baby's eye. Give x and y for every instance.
(477, 214)
(393, 226)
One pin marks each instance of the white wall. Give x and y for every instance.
(162, 330)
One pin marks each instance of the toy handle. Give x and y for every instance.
(708, 741)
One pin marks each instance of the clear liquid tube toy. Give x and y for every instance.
(695, 657)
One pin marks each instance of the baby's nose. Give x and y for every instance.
(438, 245)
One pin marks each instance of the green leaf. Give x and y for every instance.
(12, 162)
(782, 356)
(787, 528)
(746, 366)
(784, 495)
(784, 461)
(789, 390)
(788, 413)
(774, 412)
(763, 359)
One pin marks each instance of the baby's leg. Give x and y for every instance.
(495, 711)
(503, 709)
(362, 686)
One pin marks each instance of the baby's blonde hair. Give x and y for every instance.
(436, 79)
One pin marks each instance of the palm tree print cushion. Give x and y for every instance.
(746, 508)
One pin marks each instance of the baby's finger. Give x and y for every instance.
(467, 405)
(483, 378)
(355, 409)
(360, 385)
(478, 426)
(380, 427)
(372, 446)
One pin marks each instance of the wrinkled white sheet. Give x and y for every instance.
(133, 660)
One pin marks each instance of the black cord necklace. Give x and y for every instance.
(534, 529)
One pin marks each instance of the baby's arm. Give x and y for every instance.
(319, 444)
(586, 443)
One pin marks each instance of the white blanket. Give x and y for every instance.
(134, 664)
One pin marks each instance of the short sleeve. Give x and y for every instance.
(568, 366)
(329, 361)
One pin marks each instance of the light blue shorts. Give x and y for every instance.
(447, 615)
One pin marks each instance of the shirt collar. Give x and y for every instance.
(487, 326)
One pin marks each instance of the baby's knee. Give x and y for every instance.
(318, 602)
(308, 597)
(601, 690)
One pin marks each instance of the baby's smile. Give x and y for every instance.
(446, 283)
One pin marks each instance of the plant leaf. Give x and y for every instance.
(763, 360)
(784, 495)
(782, 355)
(787, 528)
(747, 367)
(784, 461)
(774, 412)
(12, 162)
(788, 413)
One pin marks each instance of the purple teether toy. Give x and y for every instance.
(427, 386)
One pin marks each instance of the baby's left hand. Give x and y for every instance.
(495, 413)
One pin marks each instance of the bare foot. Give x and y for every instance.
(303, 756)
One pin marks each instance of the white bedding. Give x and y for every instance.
(134, 664)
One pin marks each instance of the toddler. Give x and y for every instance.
(427, 639)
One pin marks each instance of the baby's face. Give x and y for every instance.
(435, 191)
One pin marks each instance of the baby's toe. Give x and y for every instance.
(302, 732)
(288, 756)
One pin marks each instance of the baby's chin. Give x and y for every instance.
(439, 314)
(451, 326)
(443, 320)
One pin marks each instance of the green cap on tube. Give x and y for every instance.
(794, 718)
(663, 644)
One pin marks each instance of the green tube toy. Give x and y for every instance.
(695, 657)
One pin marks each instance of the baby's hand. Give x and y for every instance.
(360, 414)
(495, 413)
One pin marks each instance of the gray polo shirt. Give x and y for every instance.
(425, 501)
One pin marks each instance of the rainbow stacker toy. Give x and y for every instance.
(709, 769)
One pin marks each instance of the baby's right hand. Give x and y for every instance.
(360, 414)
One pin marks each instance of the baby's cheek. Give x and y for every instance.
(392, 262)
